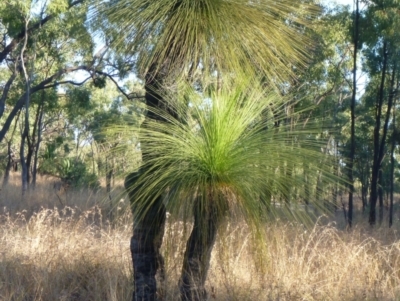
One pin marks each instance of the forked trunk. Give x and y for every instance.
(197, 256)
(148, 232)
(379, 140)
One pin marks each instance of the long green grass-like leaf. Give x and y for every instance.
(224, 35)
(223, 149)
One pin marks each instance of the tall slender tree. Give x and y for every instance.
(352, 114)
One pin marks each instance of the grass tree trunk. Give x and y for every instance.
(148, 232)
(197, 256)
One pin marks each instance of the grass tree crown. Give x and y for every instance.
(185, 35)
(225, 148)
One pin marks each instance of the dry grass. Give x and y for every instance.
(76, 253)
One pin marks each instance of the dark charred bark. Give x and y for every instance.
(196, 261)
(148, 232)
(149, 227)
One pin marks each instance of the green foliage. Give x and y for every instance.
(99, 82)
(79, 102)
(262, 36)
(222, 150)
(70, 170)
(13, 14)
(74, 172)
(57, 6)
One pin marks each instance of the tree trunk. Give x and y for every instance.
(24, 167)
(364, 190)
(307, 184)
(109, 172)
(148, 232)
(352, 108)
(335, 188)
(376, 163)
(29, 156)
(39, 140)
(197, 256)
(380, 196)
(25, 133)
(11, 156)
(6, 89)
(32, 144)
(392, 160)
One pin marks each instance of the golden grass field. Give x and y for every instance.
(70, 247)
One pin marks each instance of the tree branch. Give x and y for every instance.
(128, 96)
(5, 93)
(43, 85)
(67, 82)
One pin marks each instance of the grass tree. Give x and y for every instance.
(222, 155)
(190, 39)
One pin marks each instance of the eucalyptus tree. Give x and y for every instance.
(193, 39)
(382, 47)
(326, 85)
(46, 48)
(59, 44)
(114, 153)
(352, 111)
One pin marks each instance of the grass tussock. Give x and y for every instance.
(58, 255)
(79, 253)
